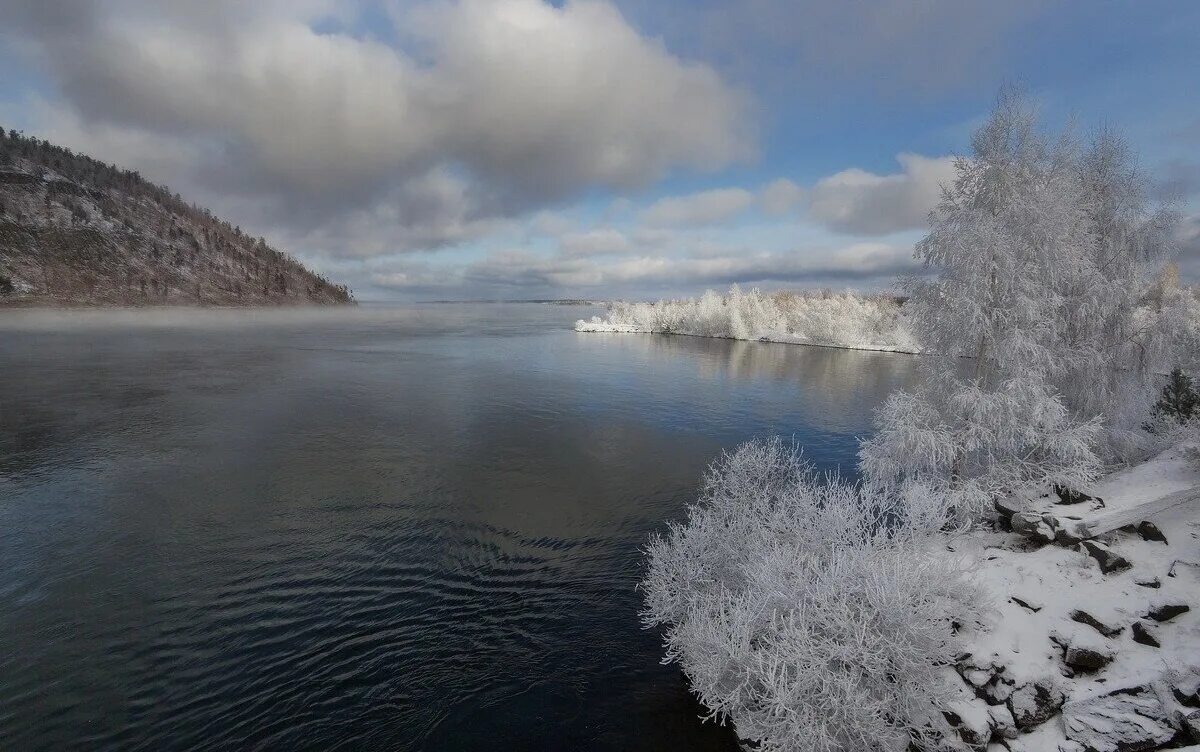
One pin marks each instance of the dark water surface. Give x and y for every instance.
(387, 528)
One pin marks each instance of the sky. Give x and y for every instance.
(519, 149)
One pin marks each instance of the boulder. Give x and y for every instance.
(1068, 532)
(1068, 496)
(1032, 525)
(1035, 703)
(1167, 610)
(1088, 657)
(1002, 722)
(1039, 743)
(1186, 689)
(999, 690)
(1191, 725)
(1150, 532)
(1146, 634)
(1107, 625)
(1147, 580)
(1122, 721)
(1009, 505)
(1109, 560)
(975, 677)
(971, 720)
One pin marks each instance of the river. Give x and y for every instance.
(388, 528)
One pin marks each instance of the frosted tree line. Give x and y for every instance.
(813, 612)
(875, 322)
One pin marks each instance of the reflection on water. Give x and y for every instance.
(383, 528)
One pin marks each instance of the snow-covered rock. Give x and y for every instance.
(1167, 610)
(1003, 724)
(1109, 560)
(1122, 721)
(1145, 634)
(1035, 703)
(1032, 525)
(1191, 725)
(1107, 624)
(1088, 657)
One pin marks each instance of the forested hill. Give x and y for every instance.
(76, 231)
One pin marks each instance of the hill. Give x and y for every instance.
(77, 231)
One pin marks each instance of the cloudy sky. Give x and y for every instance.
(518, 149)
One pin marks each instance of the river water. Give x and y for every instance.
(385, 528)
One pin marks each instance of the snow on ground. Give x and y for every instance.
(1092, 645)
(842, 320)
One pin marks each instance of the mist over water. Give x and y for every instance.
(384, 528)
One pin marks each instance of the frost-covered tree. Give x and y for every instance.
(1006, 244)
(1120, 312)
(1051, 269)
(812, 616)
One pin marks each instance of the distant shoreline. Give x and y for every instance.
(765, 340)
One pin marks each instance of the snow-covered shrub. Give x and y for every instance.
(841, 320)
(815, 618)
(971, 443)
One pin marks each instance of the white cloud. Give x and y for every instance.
(522, 273)
(534, 102)
(422, 213)
(862, 203)
(599, 242)
(704, 208)
(550, 223)
(780, 197)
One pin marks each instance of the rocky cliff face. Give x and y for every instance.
(75, 231)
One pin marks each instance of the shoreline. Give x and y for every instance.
(588, 327)
(1093, 639)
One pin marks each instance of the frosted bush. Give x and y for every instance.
(811, 616)
(838, 320)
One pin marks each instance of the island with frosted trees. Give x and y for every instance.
(1018, 567)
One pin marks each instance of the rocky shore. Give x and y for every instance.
(1093, 641)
